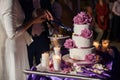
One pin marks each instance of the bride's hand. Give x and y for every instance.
(43, 15)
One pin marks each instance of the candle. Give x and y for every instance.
(56, 62)
(105, 44)
(45, 60)
(57, 50)
(96, 44)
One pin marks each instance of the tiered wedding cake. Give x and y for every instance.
(81, 43)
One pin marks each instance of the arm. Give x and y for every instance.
(114, 9)
(6, 12)
(43, 16)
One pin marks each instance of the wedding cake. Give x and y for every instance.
(81, 43)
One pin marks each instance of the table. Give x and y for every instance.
(41, 71)
(114, 75)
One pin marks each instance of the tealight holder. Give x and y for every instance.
(45, 59)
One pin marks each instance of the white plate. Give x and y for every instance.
(59, 37)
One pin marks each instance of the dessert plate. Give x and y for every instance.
(62, 37)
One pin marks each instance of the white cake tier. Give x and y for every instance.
(79, 53)
(78, 28)
(82, 42)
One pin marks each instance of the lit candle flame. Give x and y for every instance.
(105, 44)
(96, 44)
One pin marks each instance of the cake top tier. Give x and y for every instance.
(82, 18)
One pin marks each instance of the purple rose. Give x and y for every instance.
(86, 33)
(82, 18)
(69, 43)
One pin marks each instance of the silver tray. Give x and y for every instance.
(45, 72)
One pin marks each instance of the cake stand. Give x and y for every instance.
(67, 58)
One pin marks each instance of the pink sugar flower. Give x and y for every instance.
(82, 18)
(86, 33)
(69, 43)
(90, 57)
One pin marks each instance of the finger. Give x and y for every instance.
(49, 15)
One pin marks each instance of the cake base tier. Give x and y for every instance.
(80, 53)
(67, 58)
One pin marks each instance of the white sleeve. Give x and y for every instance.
(6, 11)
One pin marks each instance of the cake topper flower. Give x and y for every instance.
(69, 43)
(86, 33)
(82, 18)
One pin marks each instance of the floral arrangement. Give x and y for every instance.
(69, 43)
(82, 18)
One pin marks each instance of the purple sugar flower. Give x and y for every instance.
(69, 43)
(86, 33)
(90, 57)
(82, 18)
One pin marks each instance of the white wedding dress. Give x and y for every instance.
(2, 51)
(13, 52)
